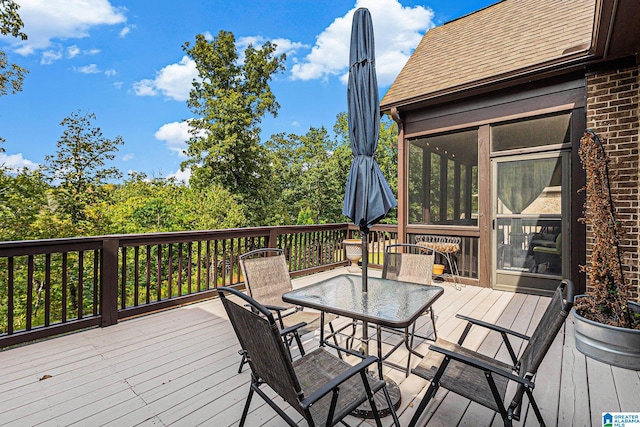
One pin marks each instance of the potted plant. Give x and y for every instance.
(606, 327)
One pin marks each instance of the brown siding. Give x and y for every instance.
(612, 112)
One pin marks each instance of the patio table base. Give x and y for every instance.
(364, 410)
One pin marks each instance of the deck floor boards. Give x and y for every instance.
(179, 368)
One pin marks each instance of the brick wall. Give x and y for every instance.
(612, 112)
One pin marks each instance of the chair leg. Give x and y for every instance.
(387, 397)
(243, 361)
(534, 405)
(245, 411)
(433, 322)
(371, 399)
(431, 391)
(335, 340)
(296, 335)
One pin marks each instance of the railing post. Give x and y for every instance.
(273, 238)
(109, 282)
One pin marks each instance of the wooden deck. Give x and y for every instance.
(178, 367)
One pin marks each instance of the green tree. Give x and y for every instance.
(22, 195)
(142, 205)
(11, 75)
(310, 173)
(386, 154)
(79, 168)
(229, 100)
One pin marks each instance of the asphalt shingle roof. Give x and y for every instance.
(504, 38)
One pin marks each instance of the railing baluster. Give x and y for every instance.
(199, 265)
(208, 266)
(10, 292)
(47, 290)
(64, 286)
(136, 274)
(123, 279)
(179, 269)
(96, 281)
(148, 274)
(189, 265)
(29, 291)
(170, 271)
(80, 292)
(159, 273)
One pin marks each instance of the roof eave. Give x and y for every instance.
(563, 65)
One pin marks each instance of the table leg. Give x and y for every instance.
(322, 329)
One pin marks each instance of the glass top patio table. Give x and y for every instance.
(387, 303)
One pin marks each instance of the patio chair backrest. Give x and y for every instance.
(544, 334)
(259, 336)
(266, 277)
(413, 265)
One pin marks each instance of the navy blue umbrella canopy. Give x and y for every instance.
(368, 197)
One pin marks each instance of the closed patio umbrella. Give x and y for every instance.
(368, 197)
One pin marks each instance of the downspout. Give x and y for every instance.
(403, 163)
(614, 11)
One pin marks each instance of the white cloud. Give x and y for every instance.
(174, 81)
(118, 85)
(73, 51)
(47, 20)
(88, 69)
(110, 72)
(125, 30)
(282, 45)
(175, 134)
(398, 31)
(128, 157)
(49, 56)
(16, 162)
(180, 175)
(144, 87)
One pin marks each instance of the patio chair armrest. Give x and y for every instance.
(335, 382)
(292, 328)
(482, 365)
(493, 327)
(275, 308)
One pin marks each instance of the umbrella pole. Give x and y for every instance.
(365, 259)
(365, 288)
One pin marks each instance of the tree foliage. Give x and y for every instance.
(230, 99)
(22, 197)
(79, 166)
(11, 75)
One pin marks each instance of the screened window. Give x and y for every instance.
(443, 179)
(530, 133)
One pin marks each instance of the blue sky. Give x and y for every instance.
(123, 61)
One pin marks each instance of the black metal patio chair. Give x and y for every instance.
(484, 379)
(410, 263)
(266, 276)
(321, 387)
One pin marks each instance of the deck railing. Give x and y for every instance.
(48, 287)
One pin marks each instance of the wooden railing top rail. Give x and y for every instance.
(44, 246)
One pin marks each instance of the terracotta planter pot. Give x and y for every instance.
(609, 344)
